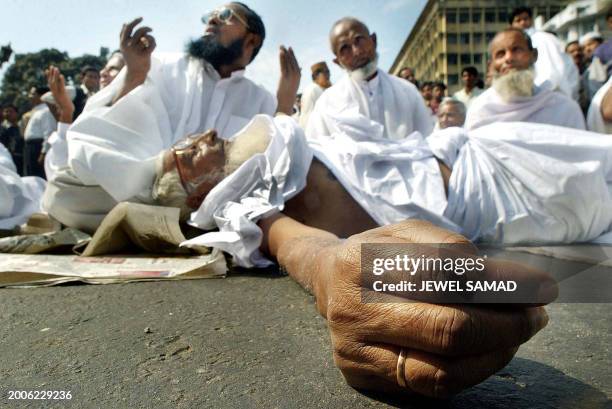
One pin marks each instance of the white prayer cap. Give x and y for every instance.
(592, 35)
(48, 96)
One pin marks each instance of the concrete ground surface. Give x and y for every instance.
(248, 341)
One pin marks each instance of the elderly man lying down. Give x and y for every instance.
(495, 184)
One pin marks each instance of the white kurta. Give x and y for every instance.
(394, 102)
(466, 98)
(57, 153)
(554, 65)
(115, 147)
(19, 196)
(545, 107)
(595, 120)
(309, 97)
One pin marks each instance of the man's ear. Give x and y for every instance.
(373, 37)
(251, 42)
(534, 58)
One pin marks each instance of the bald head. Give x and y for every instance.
(511, 49)
(352, 43)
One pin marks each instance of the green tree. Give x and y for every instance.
(28, 70)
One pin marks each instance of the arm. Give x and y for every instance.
(449, 347)
(137, 49)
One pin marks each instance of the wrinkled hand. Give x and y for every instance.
(137, 48)
(57, 85)
(449, 347)
(289, 81)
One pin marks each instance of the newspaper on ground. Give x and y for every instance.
(114, 254)
(24, 270)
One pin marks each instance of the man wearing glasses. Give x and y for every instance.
(159, 99)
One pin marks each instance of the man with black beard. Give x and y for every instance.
(157, 100)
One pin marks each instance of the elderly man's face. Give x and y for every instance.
(450, 115)
(111, 69)
(200, 162)
(510, 51)
(353, 46)
(522, 21)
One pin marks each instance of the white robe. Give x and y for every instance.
(309, 98)
(403, 108)
(19, 196)
(115, 147)
(57, 153)
(554, 65)
(595, 120)
(511, 183)
(545, 107)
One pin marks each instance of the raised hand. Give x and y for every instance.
(57, 85)
(289, 81)
(137, 47)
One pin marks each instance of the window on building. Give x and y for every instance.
(503, 15)
(477, 38)
(453, 79)
(476, 15)
(466, 59)
(554, 10)
(464, 15)
(489, 36)
(489, 15)
(451, 58)
(464, 38)
(477, 58)
(451, 38)
(451, 16)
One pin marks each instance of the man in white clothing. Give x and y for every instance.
(40, 126)
(514, 96)
(320, 82)
(156, 101)
(553, 65)
(470, 91)
(393, 103)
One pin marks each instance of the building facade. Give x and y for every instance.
(452, 34)
(579, 18)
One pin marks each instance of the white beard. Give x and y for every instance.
(244, 146)
(365, 72)
(516, 83)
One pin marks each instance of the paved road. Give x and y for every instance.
(251, 341)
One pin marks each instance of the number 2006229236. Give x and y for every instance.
(39, 395)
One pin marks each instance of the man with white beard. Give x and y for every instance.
(391, 102)
(513, 96)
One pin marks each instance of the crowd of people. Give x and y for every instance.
(369, 158)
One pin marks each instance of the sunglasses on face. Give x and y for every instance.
(224, 15)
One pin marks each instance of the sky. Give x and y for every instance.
(83, 26)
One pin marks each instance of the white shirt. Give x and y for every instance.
(545, 106)
(309, 97)
(180, 97)
(41, 123)
(466, 98)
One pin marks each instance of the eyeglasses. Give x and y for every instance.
(224, 15)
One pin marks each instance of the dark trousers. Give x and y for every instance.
(33, 147)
